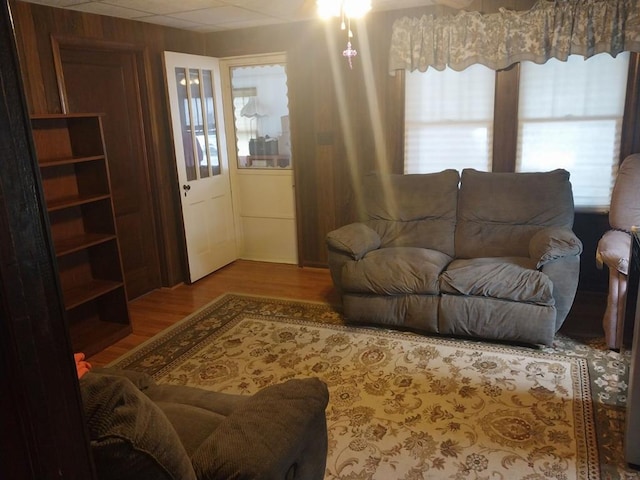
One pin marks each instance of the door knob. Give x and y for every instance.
(186, 188)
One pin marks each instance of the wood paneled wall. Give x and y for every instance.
(317, 86)
(344, 122)
(35, 25)
(348, 122)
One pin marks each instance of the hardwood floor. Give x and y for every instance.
(157, 310)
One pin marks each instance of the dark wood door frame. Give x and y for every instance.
(149, 127)
(43, 431)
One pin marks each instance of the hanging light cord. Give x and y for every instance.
(349, 52)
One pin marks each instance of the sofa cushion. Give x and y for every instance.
(192, 424)
(419, 312)
(130, 437)
(498, 213)
(194, 412)
(482, 317)
(142, 381)
(395, 270)
(413, 210)
(514, 279)
(278, 433)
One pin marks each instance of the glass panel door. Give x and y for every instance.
(194, 90)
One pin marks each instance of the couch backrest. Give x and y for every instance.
(413, 210)
(130, 437)
(498, 213)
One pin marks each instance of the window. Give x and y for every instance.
(261, 113)
(570, 116)
(449, 119)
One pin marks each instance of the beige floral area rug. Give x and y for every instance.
(407, 406)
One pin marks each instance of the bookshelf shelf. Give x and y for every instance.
(77, 190)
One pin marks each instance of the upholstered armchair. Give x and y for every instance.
(614, 246)
(146, 431)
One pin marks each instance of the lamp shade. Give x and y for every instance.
(252, 109)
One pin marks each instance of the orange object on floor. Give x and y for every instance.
(82, 366)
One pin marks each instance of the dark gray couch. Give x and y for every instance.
(485, 255)
(144, 431)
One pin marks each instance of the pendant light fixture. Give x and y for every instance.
(346, 10)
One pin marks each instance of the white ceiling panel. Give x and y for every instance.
(220, 15)
(214, 15)
(165, 7)
(102, 8)
(58, 3)
(174, 22)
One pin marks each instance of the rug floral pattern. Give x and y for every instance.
(405, 406)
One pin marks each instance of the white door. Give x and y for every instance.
(195, 99)
(260, 156)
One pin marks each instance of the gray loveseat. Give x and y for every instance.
(144, 431)
(484, 255)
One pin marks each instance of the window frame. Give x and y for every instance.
(448, 118)
(505, 134)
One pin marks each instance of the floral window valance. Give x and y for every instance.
(551, 29)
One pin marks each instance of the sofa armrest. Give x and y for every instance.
(613, 251)
(355, 239)
(278, 433)
(552, 243)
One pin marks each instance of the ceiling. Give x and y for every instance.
(219, 15)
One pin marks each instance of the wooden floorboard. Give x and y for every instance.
(157, 310)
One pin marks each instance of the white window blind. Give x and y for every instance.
(449, 119)
(570, 116)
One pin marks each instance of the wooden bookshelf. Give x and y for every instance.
(77, 191)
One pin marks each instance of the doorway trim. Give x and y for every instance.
(226, 65)
(168, 271)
